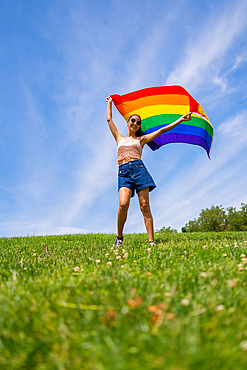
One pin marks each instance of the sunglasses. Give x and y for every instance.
(133, 120)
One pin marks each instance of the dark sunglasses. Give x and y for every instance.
(133, 120)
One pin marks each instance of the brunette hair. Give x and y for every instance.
(139, 132)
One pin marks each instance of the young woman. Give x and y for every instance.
(132, 173)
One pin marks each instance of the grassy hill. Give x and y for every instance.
(73, 302)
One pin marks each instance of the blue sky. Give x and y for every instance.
(61, 59)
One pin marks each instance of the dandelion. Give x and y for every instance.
(243, 345)
(233, 283)
(170, 315)
(203, 274)
(167, 294)
(157, 316)
(219, 308)
(133, 303)
(185, 302)
(109, 263)
(109, 318)
(14, 275)
(97, 261)
(162, 305)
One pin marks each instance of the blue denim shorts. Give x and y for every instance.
(135, 176)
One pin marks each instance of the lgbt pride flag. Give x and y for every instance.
(159, 106)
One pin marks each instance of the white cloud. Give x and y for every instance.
(204, 51)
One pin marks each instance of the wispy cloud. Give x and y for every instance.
(204, 52)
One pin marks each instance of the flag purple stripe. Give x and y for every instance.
(178, 138)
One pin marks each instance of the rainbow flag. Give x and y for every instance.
(159, 106)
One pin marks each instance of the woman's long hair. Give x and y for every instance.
(139, 132)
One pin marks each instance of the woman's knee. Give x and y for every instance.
(123, 204)
(145, 207)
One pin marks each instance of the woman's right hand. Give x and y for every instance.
(109, 99)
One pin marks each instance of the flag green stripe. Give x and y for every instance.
(164, 119)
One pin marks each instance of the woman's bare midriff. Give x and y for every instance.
(126, 160)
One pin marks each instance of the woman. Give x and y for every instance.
(132, 173)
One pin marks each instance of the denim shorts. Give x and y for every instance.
(134, 175)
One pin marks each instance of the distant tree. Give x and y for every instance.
(167, 230)
(218, 219)
(243, 211)
(213, 219)
(192, 226)
(235, 219)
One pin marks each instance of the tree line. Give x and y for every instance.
(218, 218)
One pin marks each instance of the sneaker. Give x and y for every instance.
(118, 241)
(152, 244)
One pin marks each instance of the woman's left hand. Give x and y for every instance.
(186, 117)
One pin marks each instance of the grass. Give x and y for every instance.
(67, 302)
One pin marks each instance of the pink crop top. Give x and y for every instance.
(129, 147)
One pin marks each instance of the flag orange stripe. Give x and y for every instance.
(169, 99)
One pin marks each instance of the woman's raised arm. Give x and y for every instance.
(149, 137)
(111, 124)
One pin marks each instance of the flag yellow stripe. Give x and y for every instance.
(154, 110)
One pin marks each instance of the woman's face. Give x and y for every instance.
(134, 123)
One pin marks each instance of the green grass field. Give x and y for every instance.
(71, 302)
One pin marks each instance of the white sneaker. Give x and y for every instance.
(118, 241)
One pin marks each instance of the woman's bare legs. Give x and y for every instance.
(124, 201)
(146, 211)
